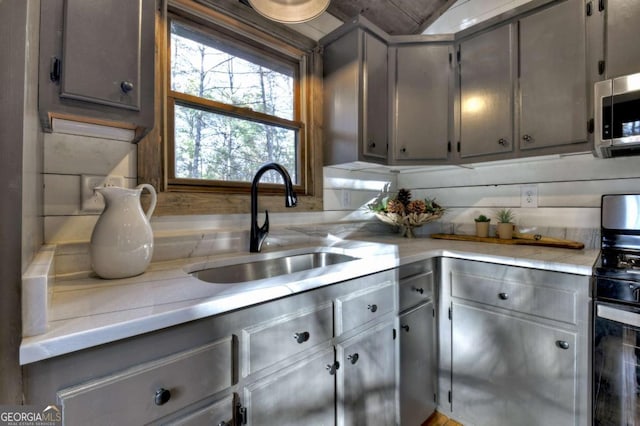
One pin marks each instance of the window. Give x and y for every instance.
(232, 107)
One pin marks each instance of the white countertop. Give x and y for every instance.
(89, 311)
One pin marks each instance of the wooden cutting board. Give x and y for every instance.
(518, 239)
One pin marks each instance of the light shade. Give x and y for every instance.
(290, 11)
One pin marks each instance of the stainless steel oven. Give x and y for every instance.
(616, 325)
(617, 116)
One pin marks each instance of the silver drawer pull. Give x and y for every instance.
(373, 307)
(418, 290)
(503, 296)
(126, 86)
(162, 396)
(302, 337)
(353, 358)
(562, 344)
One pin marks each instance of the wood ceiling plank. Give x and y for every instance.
(383, 13)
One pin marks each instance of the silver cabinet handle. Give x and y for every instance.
(371, 144)
(418, 290)
(527, 138)
(405, 327)
(403, 149)
(373, 307)
(503, 296)
(562, 344)
(502, 141)
(353, 358)
(162, 396)
(302, 337)
(126, 86)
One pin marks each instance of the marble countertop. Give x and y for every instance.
(88, 312)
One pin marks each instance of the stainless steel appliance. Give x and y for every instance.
(617, 116)
(616, 338)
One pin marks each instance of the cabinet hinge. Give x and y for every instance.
(394, 334)
(433, 313)
(458, 55)
(55, 69)
(450, 397)
(450, 58)
(241, 414)
(450, 313)
(589, 8)
(458, 147)
(435, 397)
(600, 5)
(449, 146)
(590, 125)
(601, 67)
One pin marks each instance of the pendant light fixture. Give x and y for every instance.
(290, 11)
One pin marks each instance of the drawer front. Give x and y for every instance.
(415, 290)
(135, 396)
(280, 338)
(361, 307)
(539, 300)
(219, 413)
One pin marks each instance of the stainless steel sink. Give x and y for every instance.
(257, 270)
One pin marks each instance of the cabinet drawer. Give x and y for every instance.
(366, 305)
(539, 300)
(216, 414)
(130, 396)
(415, 290)
(280, 338)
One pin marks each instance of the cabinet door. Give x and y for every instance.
(486, 93)
(510, 371)
(302, 394)
(366, 378)
(374, 126)
(623, 54)
(553, 80)
(101, 48)
(422, 102)
(417, 365)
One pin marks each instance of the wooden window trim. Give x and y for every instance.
(194, 199)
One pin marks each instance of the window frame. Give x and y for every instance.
(278, 53)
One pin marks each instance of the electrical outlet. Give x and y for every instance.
(529, 196)
(91, 201)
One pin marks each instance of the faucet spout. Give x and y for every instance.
(259, 233)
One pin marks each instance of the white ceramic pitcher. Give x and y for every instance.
(122, 240)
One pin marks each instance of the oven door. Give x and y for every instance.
(616, 368)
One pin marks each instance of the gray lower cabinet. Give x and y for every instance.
(418, 368)
(622, 55)
(218, 413)
(515, 349)
(366, 383)
(97, 62)
(302, 393)
(422, 110)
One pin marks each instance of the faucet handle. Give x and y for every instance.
(292, 200)
(265, 226)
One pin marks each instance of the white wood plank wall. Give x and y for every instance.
(66, 158)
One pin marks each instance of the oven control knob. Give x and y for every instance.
(562, 344)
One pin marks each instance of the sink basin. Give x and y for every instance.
(257, 270)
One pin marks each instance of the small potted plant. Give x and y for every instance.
(505, 223)
(482, 226)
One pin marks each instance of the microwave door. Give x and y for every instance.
(625, 118)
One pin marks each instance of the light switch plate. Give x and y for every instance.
(529, 196)
(91, 201)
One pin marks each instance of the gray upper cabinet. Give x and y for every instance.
(486, 93)
(553, 77)
(422, 103)
(97, 62)
(622, 33)
(355, 98)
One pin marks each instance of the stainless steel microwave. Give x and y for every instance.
(617, 116)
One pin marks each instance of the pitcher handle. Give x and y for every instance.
(154, 198)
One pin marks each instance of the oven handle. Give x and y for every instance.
(618, 315)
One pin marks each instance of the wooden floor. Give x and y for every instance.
(438, 419)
